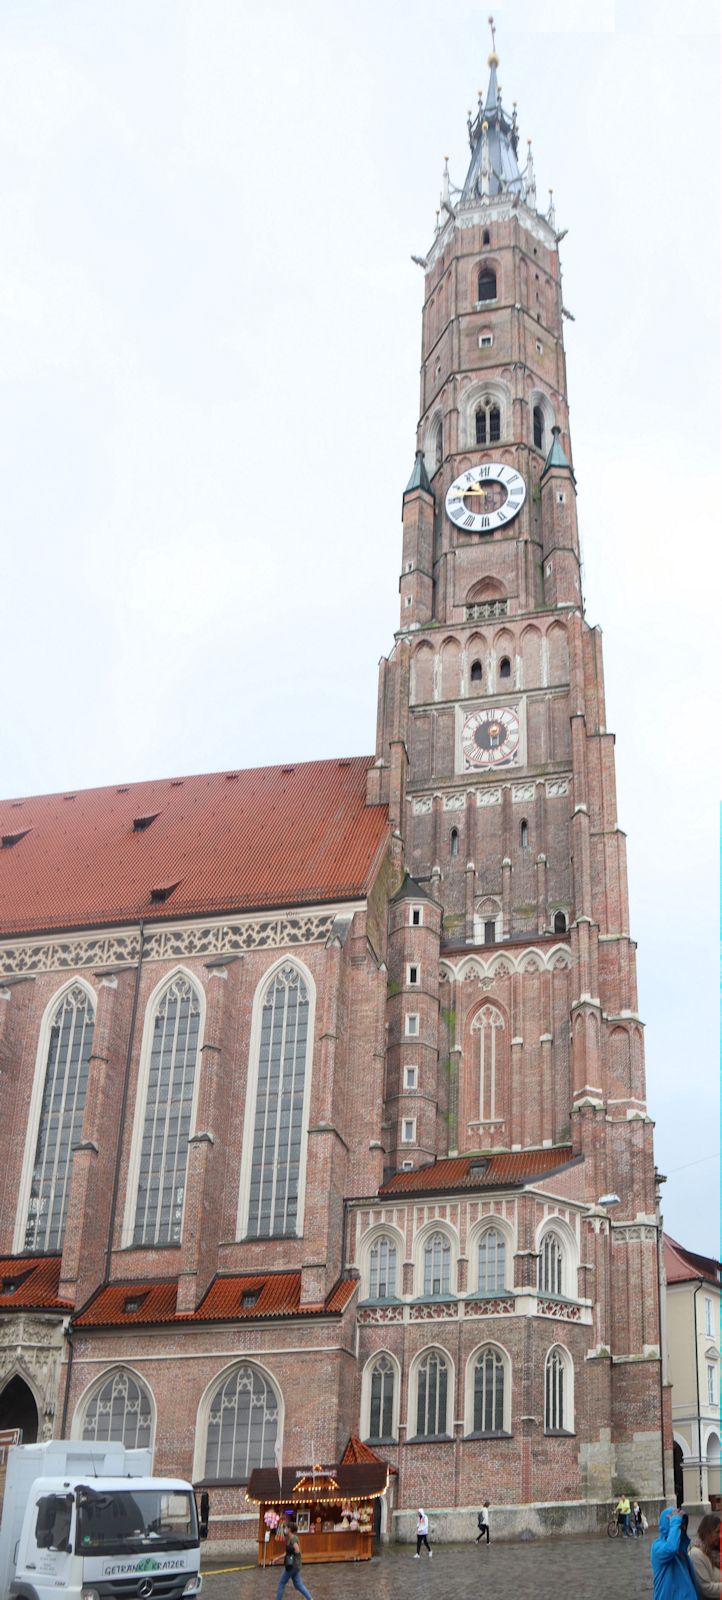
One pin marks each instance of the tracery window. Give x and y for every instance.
(437, 1264)
(61, 1118)
(120, 1410)
(381, 1413)
(279, 1109)
(492, 1262)
(242, 1425)
(382, 1269)
(431, 1395)
(167, 1115)
(489, 1392)
(551, 1265)
(488, 424)
(489, 1025)
(557, 1396)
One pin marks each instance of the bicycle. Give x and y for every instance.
(614, 1528)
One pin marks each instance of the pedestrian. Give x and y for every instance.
(671, 1568)
(291, 1559)
(422, 1533)
(704, 1557)
(624, 1513)
(482, 1523)
(639, 1521)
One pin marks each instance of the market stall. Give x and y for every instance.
(331, 1509)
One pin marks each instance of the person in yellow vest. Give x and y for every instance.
(624, 1512)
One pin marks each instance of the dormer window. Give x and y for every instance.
(249, 1299)
(141, 823)
(133, 1302)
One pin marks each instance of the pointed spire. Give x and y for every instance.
(493, 138)
(419, 476)
(556, 456)
(530, 178)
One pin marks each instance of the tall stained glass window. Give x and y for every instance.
(242, 1425)
(119, 1410)
(278, 1112)
(167, 1117)
(61, 1119)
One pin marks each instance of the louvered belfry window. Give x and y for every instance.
(61, 1119)
(167, 1119)
(278, 1116)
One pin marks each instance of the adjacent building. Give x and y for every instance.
(693, 1347)
(322, 1086)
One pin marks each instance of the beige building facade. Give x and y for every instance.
(693, 1346)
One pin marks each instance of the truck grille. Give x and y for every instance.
(164, 1586)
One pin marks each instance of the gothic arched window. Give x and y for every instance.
(437, 1264)
(120, 1410)
(381, 1407)
(489, 1392)
(560, 922)
(538, 423)
(242, 1425)
(551, 1265)
(492, 1262)
(382, 1269)
(486, 285)
(279, 1109)
(489, 1025)
(61, 1118)
(505, 667)
(454, 842)
(524, 835)
(488, 424)
(432, 1380)
(558, 1392)
(167, 1115)
(476, 672)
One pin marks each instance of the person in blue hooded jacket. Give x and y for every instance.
(671, 1569)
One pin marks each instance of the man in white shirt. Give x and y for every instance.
(422, 1533)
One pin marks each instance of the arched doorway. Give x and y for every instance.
(713, 1465)
(678, 1455)
(18, 1409)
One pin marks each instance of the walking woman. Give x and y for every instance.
(291, 1559)
(422, 1533)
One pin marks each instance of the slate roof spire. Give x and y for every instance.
(494, 142)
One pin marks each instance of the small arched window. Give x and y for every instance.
(557, 1395)
(505, 667)
(486, 287)
(524, 835)
(488, 424)
(381, 1413)
(454, 843)
(437, 1265)
(242, 1426)
(120, 1410)
(476, 673)
(492, 1262)
(551, 1265)
(489, 1392)
(431, 1396)
(538, 421)
(382, 1269)
(560, 922)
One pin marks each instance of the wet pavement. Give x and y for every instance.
(595, 1568)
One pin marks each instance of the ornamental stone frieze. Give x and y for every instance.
(30, 956)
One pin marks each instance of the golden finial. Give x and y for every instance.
(485, 127)
(492, 59)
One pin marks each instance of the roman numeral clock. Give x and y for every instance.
(482, 499)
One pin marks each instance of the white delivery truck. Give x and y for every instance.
(90, 1521)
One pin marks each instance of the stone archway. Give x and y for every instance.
(18, 1409)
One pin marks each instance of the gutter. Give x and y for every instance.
(700, 1285)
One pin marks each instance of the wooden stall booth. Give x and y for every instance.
(331, 1509)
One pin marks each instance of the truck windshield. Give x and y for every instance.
(125, 1521)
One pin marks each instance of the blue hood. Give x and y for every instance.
(664, 1527)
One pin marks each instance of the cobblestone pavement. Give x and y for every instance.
(550, 1569)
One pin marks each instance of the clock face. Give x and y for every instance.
(489, 738)
(485, 497)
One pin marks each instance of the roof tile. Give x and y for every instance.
(38, 1279)
(274, 1294)
(682, 1266)
(456, 1172)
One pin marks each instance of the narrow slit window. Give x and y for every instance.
(490, 932)
(524, 835)
(539, 427)
(481, 427)
(494, 424)
(454, 842)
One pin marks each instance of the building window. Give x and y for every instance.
(711, 1385)
(560, 922)
(476, 672)
(486, 287)
(489, 1392)
(412, 1025)
(119, 1411)
(431, 1394)
(416, 917)
(551, 1266)
(489, 1025)
(524, 835)
(61, 1119)
(381, 1418)
(413, 976)
(708, 1317)
(411, 1077)
(488, 424)
(486, 341)
(490, 931)
(283, 1065)
(454, 842)
(437, 1265)
(505, 667)
(382, 1269)
(167, 1116)
(557, 1395)
(538, 418)
(242, 1426)
(408, 1130)
(492, 1262)
(486, 237)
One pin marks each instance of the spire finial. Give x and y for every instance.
(493, 34)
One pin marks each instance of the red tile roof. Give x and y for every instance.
(38, 1279)
(275, 1294)
(509, 1168)
(683, 1266)
(261, 838)
(356, 1451)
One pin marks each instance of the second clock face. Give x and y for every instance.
(489, 738)
(485, 497)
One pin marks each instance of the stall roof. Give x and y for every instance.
(360, 1480)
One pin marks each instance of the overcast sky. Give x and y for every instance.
(209, 354)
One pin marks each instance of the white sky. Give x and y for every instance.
(209, 352)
